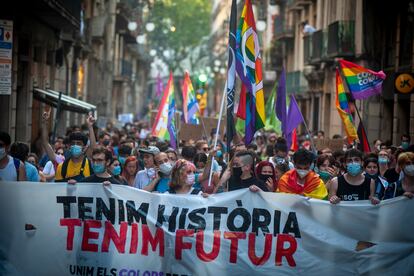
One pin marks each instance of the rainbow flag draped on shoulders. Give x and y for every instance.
(249, 69)
(343, 110)
(362, 82)
(190, 104)
(164, 125)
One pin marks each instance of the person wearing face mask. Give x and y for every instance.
(266, 173)
(78, 165)
(203, 165)
(101, 158)
(372, 171)
(183, 178)
(405, 185)
(240, 173)
(405, 141)
(124, 151)
(148, 174)
(325, 168)
(281, 154)
(302, 180)
(163, 168)
(354, 184)
(48, 172)
(115, 169)
(11, 169)
(383, 162)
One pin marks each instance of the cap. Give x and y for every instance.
(151, 150)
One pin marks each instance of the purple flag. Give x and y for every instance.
(293, 120)
(281, 101)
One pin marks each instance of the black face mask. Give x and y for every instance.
(105, 143)
(236, 172)
(264, 177)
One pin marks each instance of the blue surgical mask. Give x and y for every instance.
(280, 160)
(98, 168)
(219, 153)
(372, 176)
(117, 170)
(405, 145)
(353, 168)
(122, 160)
(75, 150)
(382, 160)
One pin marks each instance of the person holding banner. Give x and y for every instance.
(266, 172)
(302, 180)
(148, 174)
(163, 168)
(101, 159)
(240, 173)
(353, 185)
(405, 185)
(183, 178)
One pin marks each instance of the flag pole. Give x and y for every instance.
(310, 136)
(217, 131)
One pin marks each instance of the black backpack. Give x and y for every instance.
(78, 177)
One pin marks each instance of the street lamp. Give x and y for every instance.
(132, 26)
(150, 26)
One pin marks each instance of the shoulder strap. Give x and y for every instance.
(17, 166)
(83, 166)
(64, 168)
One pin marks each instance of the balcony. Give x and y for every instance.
(282, 30)
(317, 47)
(296, 83)
(307, 48)
(341, 39)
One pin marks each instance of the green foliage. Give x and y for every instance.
(191, 19)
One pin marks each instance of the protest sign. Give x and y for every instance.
(90, 229)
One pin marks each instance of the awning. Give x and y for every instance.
(51, 98)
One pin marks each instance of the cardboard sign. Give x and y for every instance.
(196, 132)
(333, 144)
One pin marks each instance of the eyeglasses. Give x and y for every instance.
(205, 149)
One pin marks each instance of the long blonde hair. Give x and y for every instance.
(179, 166)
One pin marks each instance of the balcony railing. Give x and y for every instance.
(307, 48)
(296, 82)
(317, 47)
(341, 39)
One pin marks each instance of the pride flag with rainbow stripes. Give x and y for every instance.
(249, 69)
(362, 82)
(343, 110)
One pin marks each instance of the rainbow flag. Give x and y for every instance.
(343, 110)
(362, 82)
(249, 69)
(190, 104)
(164, 125)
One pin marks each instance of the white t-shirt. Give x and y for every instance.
(49, 169)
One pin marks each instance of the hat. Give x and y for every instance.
(151, 150)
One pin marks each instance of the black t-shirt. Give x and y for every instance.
(391, 175)
(246, 183)
(348, 192)
(96, 179)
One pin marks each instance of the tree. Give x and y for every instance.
(180, 26)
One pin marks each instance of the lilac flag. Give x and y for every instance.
(281, 101)
(293, 120)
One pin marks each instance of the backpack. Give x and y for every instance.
(78, 177)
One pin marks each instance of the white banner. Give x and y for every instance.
(88, 229)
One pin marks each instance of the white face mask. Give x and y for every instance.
(166, 168)
(302, 173)
(3, 152)
(409, 170)
(190, 179)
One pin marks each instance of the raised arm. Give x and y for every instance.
(333, 188)
(90, 120)
(45, 139)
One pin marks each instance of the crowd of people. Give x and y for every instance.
(130, 156)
